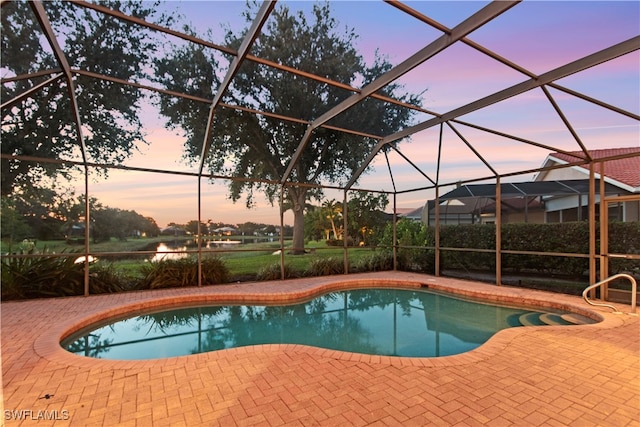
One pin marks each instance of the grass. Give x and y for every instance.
(248, 263)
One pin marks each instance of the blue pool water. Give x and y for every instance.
(397, 322)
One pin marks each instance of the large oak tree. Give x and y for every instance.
(260, 148)
(42, 124)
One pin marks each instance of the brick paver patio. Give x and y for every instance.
(553, 376)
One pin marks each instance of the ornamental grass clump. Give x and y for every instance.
(273, 272)
(378, 261)
(325, 266)
(106, 278)
(25, 277)
(176, 273)
(56, 275)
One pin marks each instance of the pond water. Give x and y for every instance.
(394, 322)
(166, 250)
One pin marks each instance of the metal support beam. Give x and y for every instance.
(252, 34)
(345, 233)
(484, 15)
(516, 138)
(498, 232)
(582, 64)
(30, 91)
(408, 10)
(592, 227)
(247, 42)
(226, 50)
(468, 144)
(393, 182)
(437, 206)
(412, 164)
(604, 232)
(595, 101)
(395, 232)
(566, 122)
(281, 240)
(45, 24)
(439, 161)
(437, 230)
(220, 104)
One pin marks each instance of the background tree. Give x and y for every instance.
(271, 230)
(192, 227)
(14, 225)
(107, 222)
(332, 211)
(249, 228)
(44, 212)
(316, 226)
(132, 224)
(366, 217)
(45, 215)
(42, 125)
(256, 147)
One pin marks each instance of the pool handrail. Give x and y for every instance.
(634, 290)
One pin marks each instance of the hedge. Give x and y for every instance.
(570, 237)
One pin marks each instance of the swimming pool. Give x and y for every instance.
(380, 321)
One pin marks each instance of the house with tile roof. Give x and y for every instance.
(621, 172)
(557, 193)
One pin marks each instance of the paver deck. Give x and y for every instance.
(586, 375)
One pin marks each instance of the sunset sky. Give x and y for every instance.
(537, 35)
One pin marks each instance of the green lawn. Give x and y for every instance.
(243, 263)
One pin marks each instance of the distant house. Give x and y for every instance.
(410, 213)
(173, 230)
(476, 204)
(225, 231)
(75, 231)
(622, 174)
(555, 195)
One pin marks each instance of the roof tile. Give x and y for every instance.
(626, 171)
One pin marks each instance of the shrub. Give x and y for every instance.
(325, 266)
(624, 238)
(105, 278)
(46, 276)
(416, 259)
(381, 260)
(175, 273)
(569, 237)
(412, 237)
(56, 276)
(476, 236)
(273, 272)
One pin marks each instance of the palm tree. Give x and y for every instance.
(333, 212)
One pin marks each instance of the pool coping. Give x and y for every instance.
(47, 343)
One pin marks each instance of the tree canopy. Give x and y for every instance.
(51, 216)
(42, 124)
(258, 147)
